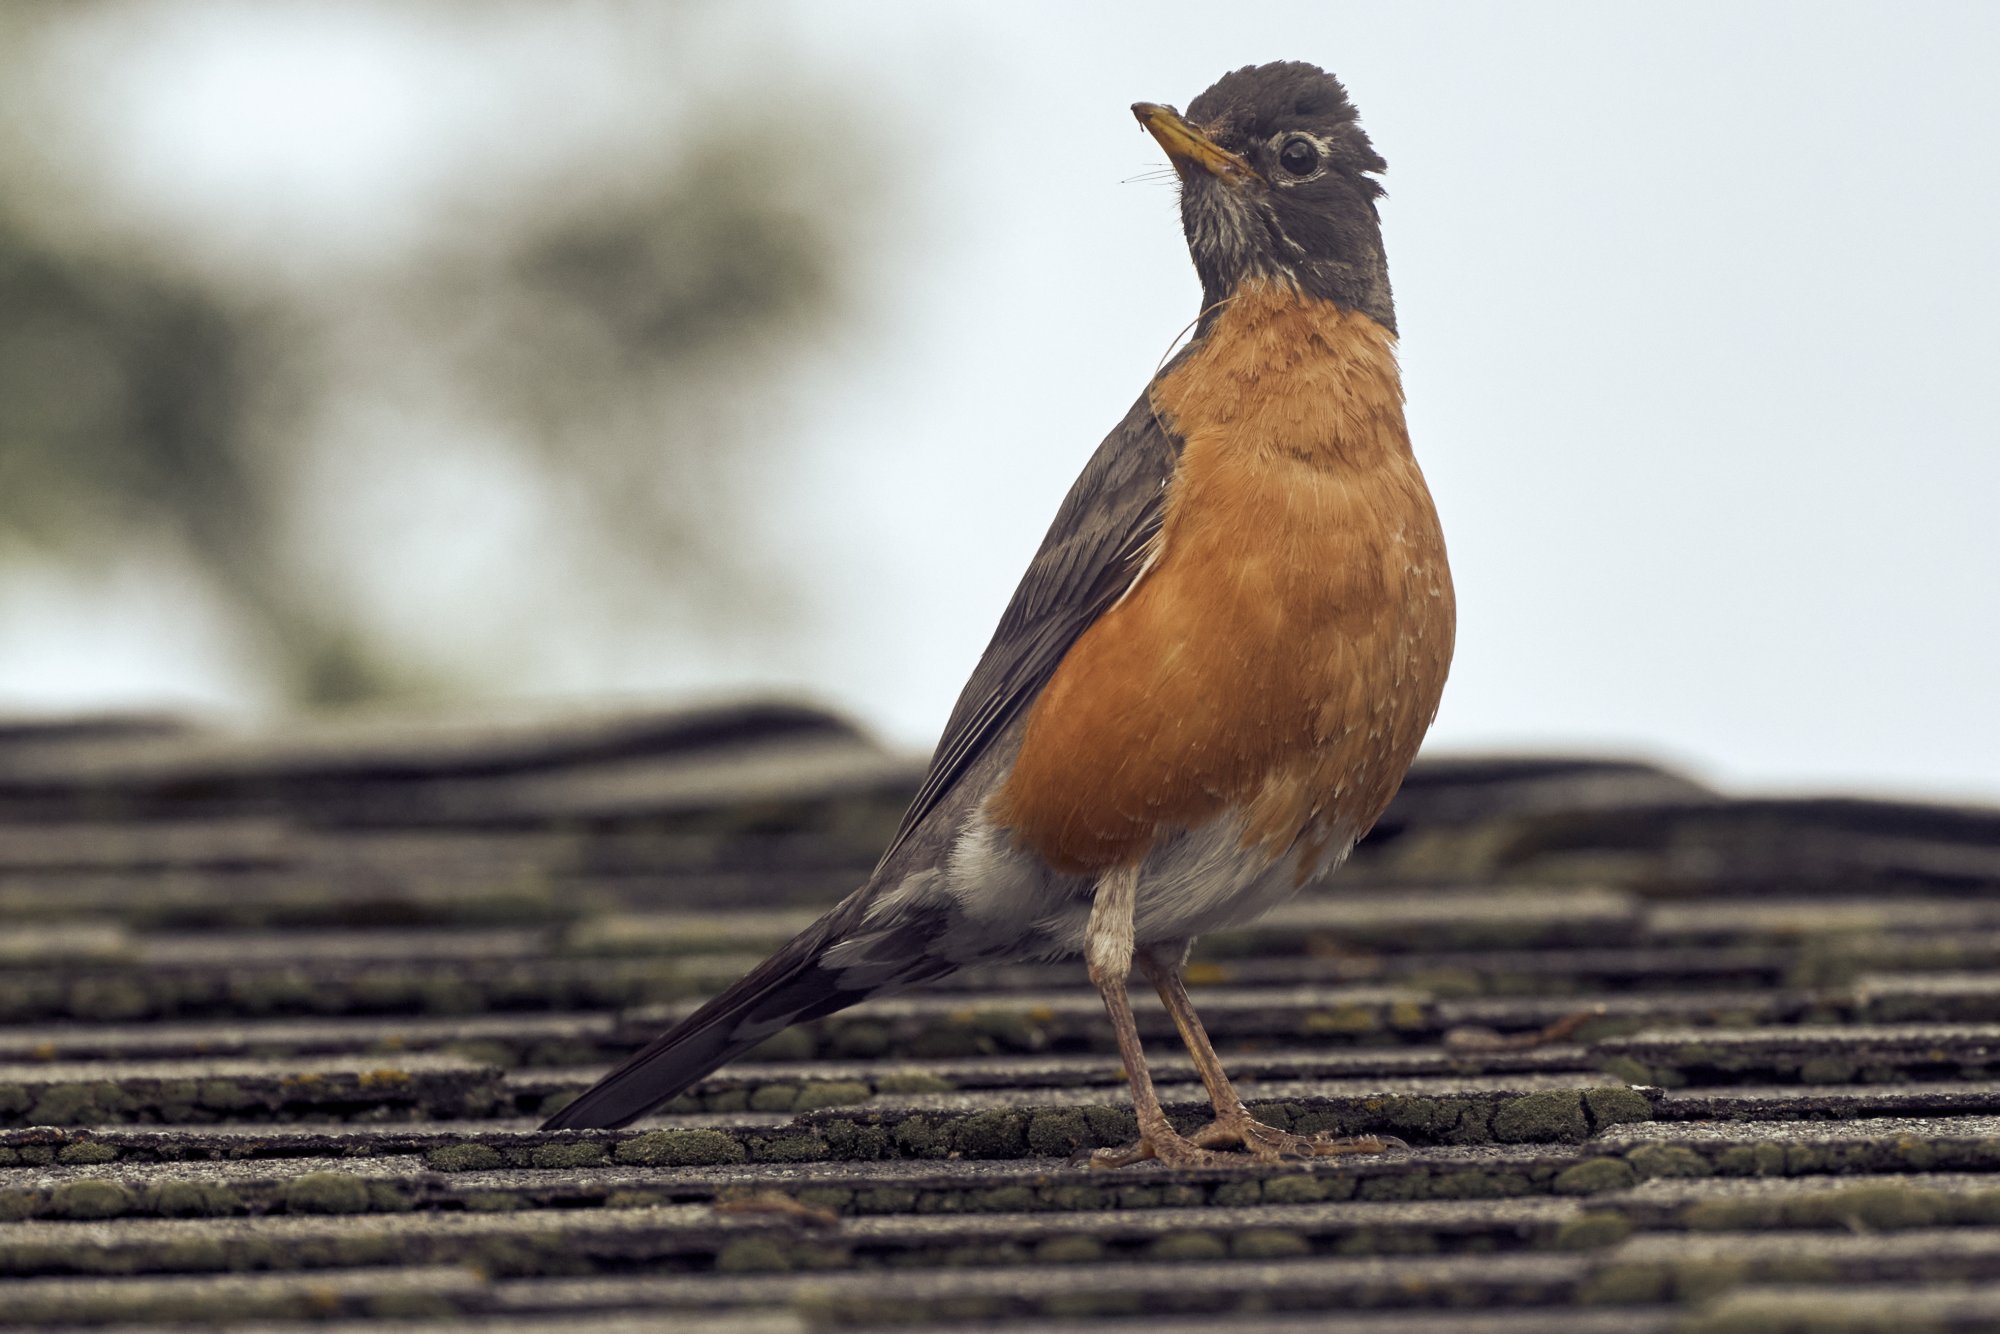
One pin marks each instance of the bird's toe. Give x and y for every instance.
(1164, 1147)
(1268, 1144)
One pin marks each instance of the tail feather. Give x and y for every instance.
(790, 986)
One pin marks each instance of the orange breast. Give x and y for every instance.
(1285, 650)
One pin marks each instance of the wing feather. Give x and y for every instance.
(1091, 555)
(1093, 551)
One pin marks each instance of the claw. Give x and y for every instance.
(1164, 1147)
(1268, 1144)
(1262, 1143)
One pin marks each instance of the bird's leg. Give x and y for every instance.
(1233, 1123)
(1108, 953)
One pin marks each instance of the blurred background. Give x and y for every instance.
(408, 352)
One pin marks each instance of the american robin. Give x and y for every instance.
(1215, 671)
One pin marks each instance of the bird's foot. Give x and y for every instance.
(1262, 1143)
(1162, 1145)
(1268, 1144)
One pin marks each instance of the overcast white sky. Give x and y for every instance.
(1700, 313)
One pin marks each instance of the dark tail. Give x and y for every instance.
(787, 988)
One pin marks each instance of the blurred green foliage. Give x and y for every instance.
(616, 328)
(123, 418)
(670, 303)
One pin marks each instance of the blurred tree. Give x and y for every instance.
(612, 332)
(626, 332)
(124, 424)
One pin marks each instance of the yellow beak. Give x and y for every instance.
(1189, 147)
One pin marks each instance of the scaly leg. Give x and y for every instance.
(1108, 953)
(1233, 1123)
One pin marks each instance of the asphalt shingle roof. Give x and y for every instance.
(278, 1014)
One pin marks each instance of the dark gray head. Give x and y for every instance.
(1277, 183)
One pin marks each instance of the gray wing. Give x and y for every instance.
(1089, 558)
(1091, 555)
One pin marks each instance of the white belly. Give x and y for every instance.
(1189, 885)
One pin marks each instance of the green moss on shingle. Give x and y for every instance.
(468, 1157)
(1730, 1214)
(681, 1148)
(859, 1039)
(1593, 1176)
(1667, 1160)
(885, 1200)
(855, 1141)
(77, 1104)
(774, 1098)
(1552, 1114)
(1592, 1231)
(913, 1081)
(87, 1152)
(1751, 1160)
(789, 1149)
(1627, 1069)
(498, 1202)
(1616, 1106)
(1058, 1132)
(1282, 1116)
(90, 1198)
(830, 1093)
(995, 1133)
(1305, 1188)
(578, 1154)
(222, 1095)
(1476, 1185)
(791, 1044)
(1474, 1124)
(1111, 1123)
(1002, 1200)
(921, 1137)
(753, 1255)
(386, 1197)
(325, 1193)
(1422, 1118)
(1077, 1197)
(1243, 1194)
(1410, 1185)
(1191, 1246)
(1630, 1284)
(193, 1199)
(1071, 1250)
(1268, 1244)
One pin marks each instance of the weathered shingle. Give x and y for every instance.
(278, 1016)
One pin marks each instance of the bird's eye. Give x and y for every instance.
(1299, 156)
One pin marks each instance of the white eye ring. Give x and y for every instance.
(1283, 140)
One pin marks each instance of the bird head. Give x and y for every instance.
(1278, 186)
